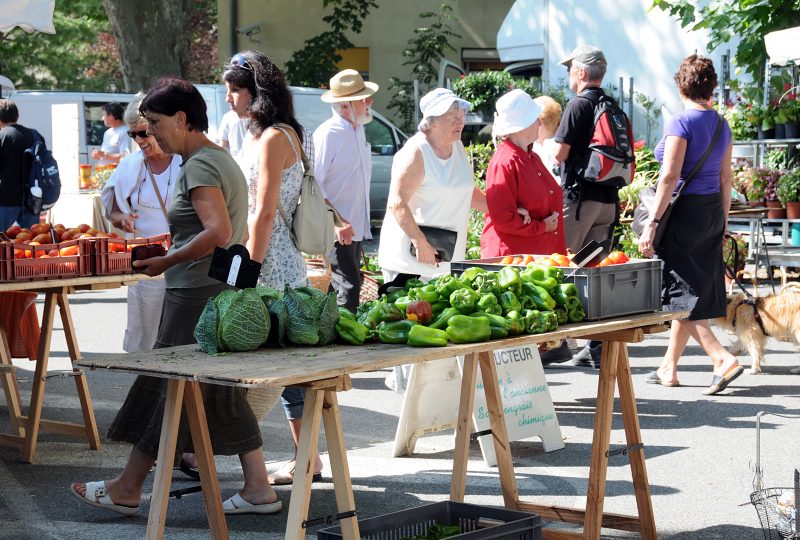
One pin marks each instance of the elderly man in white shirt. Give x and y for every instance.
(343, 168)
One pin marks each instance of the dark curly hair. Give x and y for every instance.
(271, 98)
(696, 78)
(170, 95)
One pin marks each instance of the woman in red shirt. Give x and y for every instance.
(517, 179)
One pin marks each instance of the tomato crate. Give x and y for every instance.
(606, 291)
(23, 262)
(476, 522)
(113, 255)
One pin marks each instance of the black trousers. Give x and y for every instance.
(346, 274)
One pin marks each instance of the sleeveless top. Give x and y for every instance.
(283, 263)
(442, 200)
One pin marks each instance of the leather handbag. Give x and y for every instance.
(647, 196)
(442, 240)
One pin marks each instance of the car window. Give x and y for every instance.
(93, 113)
(380, 139)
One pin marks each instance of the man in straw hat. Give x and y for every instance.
(343, 168)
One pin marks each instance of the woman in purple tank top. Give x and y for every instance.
(691, 248)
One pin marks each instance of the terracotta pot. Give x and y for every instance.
(793, 210)
(755, 203)
(776, 210)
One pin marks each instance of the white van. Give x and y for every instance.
(70, 124)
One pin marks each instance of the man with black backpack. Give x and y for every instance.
(15, 139)
(590, 199)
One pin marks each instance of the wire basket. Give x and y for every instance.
(319, 273)
(369, 287)
(777, 510)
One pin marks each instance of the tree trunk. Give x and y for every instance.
(152, 39)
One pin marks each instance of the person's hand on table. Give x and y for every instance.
(154, 266)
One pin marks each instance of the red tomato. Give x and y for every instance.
(618, 257)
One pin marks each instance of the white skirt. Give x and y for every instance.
(145, 299)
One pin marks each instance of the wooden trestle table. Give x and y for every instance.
(324, 371)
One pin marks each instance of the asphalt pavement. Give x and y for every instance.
(700, 450)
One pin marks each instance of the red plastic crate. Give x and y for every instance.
(22, 262)
(113, 255)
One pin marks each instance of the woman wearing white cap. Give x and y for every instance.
(432, 186)
(517, 178)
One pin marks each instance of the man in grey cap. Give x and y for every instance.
(590, 210)
(343, 168)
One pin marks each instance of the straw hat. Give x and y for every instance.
(348, 85)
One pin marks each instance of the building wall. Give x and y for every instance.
(286, 24)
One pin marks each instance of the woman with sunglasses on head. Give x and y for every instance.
(273, 166)
(132, 200)
(208, 210)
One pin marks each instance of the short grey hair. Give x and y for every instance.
(132, 116)
(593, 73)
(427, 123)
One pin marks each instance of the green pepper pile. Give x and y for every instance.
(475, 306)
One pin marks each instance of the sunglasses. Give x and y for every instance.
(141, 134)
(238, 59)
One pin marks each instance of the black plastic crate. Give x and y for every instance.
(477, 522)
(606, 291)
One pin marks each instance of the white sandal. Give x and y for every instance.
(96, 495)
(237, 505)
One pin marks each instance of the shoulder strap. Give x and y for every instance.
(704, 157)
(155, 187)
(282, 128)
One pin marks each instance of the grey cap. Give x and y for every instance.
(586, 54)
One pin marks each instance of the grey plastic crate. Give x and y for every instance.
(606, 291)
(477, 522)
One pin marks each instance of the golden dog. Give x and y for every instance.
(780, 316)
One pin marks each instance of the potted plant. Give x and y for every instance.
(792, 113)
(771, 178)
(742, 128)
(789, 193)
(483, 88)
(755, 187)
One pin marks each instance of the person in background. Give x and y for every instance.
(14, 140)
(691, 248)
(590, 210)
(517, 180)
(343, 168)
(545, 145)
(432, 184)
(209, 209)
(116, 143)
(273, 169)
(234, 123)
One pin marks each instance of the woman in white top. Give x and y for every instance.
(132, 204)
(432, 185)
(544, 146)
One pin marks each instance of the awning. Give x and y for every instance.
(30, 15)
(521, 36)
(783, 46)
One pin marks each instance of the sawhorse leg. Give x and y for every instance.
(321, 403)
(34, 418)
(188, 392)
(11, 391)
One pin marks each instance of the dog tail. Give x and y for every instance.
(791, 287)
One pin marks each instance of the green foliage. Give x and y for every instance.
(652, 112)
(789, 187)
(483, 88)
(81, 55)
(741, 126)
(749, 20)
(479, 156)
(646, 175)
(728, 252)
(627, 241)
(424, 52)
(316, 62)
(779, 158)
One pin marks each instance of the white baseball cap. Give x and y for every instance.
(515, 111)
(439, 100)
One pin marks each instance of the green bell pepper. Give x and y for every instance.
(549, 284)
(508, 279)
(561, 314)
(538, 296)
(464, 300)
(413, 282)
(554, 272)
(533, 272)
(487, 283)
(497, 324)
(345, 313)
(515, 322)
(402, 303)
(439, 306)
(466, 329)
(351, 331)
(534, 321)
(469, 275)
(379, 311)
(486, 302)
(425, 336)
(426, 292)
(392, 296)
(550, 320)
(509, 302)
(440, 322)
(395, 331)
(575, 310)
(447, 285)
